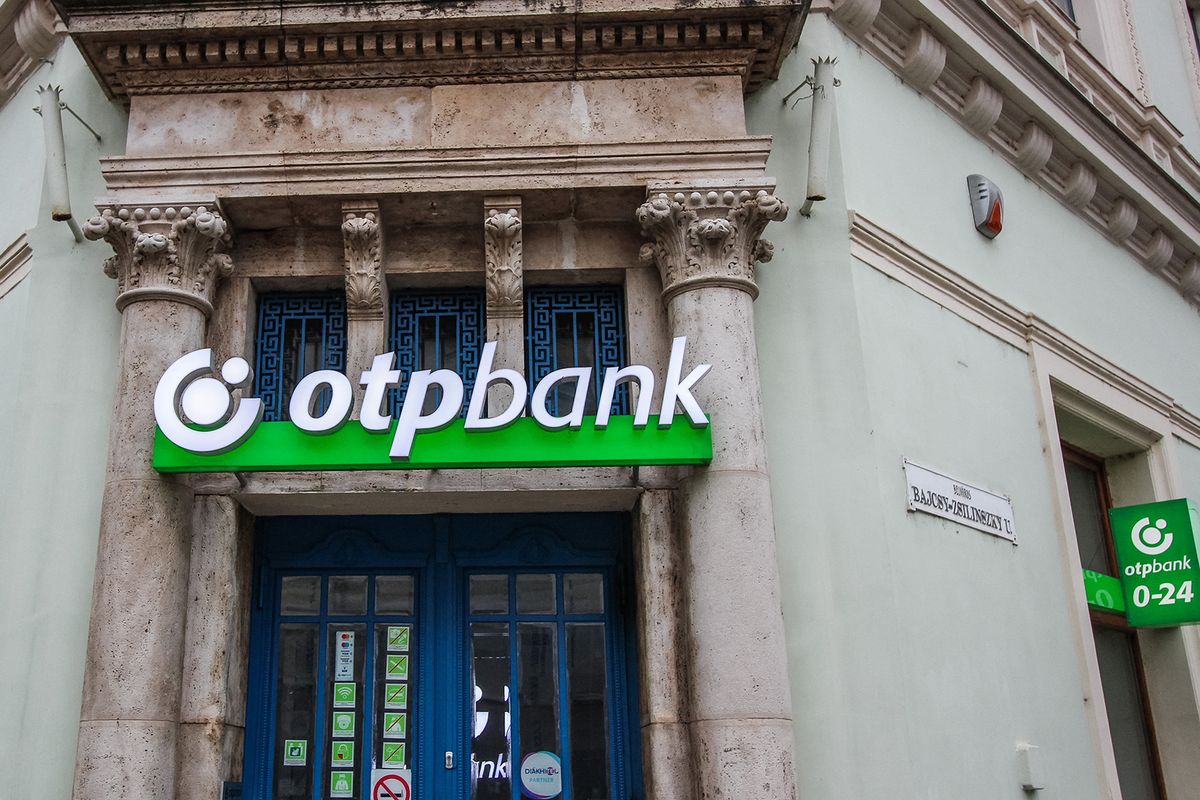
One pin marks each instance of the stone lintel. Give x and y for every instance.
(708, 233)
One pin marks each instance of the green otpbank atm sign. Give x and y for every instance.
(202, 428)
(1156, 553)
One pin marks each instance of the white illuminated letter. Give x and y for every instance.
(377, 380)
(676, 390)
(304, 398)
(484, 378)
(612, 378)
(573, 420)
(412, 420)
(208, 405)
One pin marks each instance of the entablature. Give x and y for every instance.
(140, 47)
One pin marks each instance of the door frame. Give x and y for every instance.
(442, 549)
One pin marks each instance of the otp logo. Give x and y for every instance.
(1152, 540)
(207, 402)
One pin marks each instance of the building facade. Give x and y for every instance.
(356, 214)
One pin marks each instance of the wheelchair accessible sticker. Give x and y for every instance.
(541, 775)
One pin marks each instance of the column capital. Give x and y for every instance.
(362, 235)
(175, 253)
(708, 235)
(503, 256)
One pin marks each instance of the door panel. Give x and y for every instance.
(459, 647)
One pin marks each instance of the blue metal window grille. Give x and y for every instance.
(576, 327)
(437, 330)
(297, 334)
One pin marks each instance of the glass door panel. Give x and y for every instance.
(557, 742)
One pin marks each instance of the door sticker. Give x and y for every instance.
(541, 775)
(395, 695)
(395, 726)
(345, 695)
(397, 638)
(343, 724)
(343, 755)
(391, 784)
(341, 784)
(397, 667)
(295, 752)
(344, 660)
(393, 754)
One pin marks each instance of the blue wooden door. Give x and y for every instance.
(489, 654)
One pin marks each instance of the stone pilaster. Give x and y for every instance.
(705, 240)
(216, 643)
(167, 263)
(366, 289)
(666, 746)
(505, 289)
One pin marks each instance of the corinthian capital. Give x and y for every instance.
(362, 236)
(502, 252)
(164, 253)
(708, 236)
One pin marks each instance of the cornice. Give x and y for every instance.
(143, 48)
(881, 249)
(1007, 93)
(489, 169)
(15, 262)
(29, 32)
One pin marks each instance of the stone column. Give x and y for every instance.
(505, 290)
(166, 264)
(366, 290)
(705, 241)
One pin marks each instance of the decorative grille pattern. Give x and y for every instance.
(297, 334)
(574, 326)
(437, 330)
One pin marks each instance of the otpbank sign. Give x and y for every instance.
(202, 428)
(1156, 552)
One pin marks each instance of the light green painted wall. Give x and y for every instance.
(1168, 74)
(921, 652)
(60, 333)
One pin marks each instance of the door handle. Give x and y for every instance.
(449, 760)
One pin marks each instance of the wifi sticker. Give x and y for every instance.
(345, 695)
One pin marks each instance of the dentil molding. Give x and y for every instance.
(140, 47)
(175, 254)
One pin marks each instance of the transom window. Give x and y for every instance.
(437, 330)
(573, 326)
(298, 333)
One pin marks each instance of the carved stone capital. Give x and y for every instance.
(708, 237)
(166, 253)
(502, 253)
(362, 236)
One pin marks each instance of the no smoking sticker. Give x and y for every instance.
(391, 784)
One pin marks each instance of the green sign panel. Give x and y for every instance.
(1103, 592)
(1157, 552)
(281, 446)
